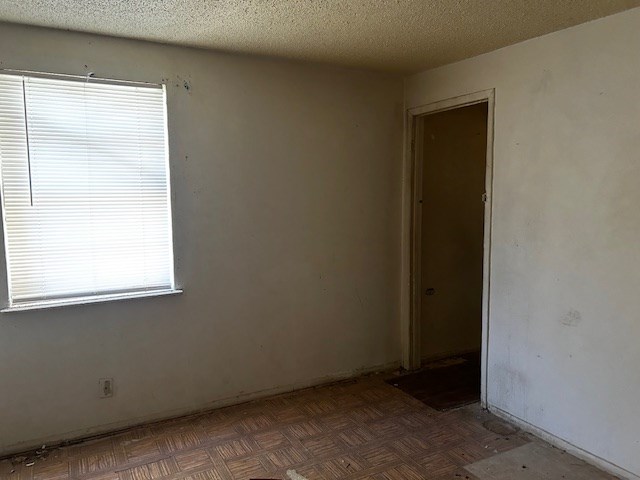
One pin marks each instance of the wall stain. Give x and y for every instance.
(184, 83)
(572, 318)
(544, 83)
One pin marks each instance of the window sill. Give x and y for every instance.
(44, 304)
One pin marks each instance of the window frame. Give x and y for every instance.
(84, 299)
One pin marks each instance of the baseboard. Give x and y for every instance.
(77, 436)
(565, 445)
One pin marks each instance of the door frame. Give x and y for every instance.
(412, 225)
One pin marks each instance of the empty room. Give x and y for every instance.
(319, 240)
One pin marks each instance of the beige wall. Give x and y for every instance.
(285, 180)
(454, 146)
(565, 262)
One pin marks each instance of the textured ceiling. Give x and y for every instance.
(394, 35)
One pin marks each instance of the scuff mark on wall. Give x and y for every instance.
(360, 302)
(572, 318)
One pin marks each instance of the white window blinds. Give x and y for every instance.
(85, 188)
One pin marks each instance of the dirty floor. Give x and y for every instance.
(446, 384)
(362, 429)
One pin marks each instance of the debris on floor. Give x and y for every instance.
(30, 460)
(293, 475)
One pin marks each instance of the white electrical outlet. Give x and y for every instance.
(106, 387)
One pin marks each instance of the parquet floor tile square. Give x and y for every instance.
(287, 457)
(193, 459)
(247, 468)
(321, 447)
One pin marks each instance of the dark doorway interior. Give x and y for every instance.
(454, 151)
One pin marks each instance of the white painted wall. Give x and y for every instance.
(286, 199)
(564, 340)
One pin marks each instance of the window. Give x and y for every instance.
(85, 190)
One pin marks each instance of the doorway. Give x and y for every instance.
(453, 149)
(447, 236)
